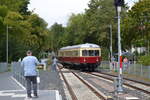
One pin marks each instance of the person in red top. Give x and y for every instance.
(125, 62)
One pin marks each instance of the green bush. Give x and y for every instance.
(104, 53)
(145, 60)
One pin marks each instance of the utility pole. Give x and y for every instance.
(110, 26)
(148, 47)
(111, 39)
(7, 45)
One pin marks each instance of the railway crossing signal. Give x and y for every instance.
(118, 4)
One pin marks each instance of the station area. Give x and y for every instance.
(70, 84)
(12, 89)
(63, 50)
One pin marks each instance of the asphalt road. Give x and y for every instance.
(12, 90)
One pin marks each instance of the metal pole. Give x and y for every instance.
(148, 47)
(7, 45)
(111, 39)
(110, 46)
(120, 89)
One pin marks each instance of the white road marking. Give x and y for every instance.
(18, 95)
(27, 98)
(57, 95)
(13, 93)
(10, 91)
(132, 98)
(6, 94)
(18, 83)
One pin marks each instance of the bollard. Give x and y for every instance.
(118, 82)
(115, 84)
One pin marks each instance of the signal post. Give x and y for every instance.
(118, 4)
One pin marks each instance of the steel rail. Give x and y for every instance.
(73, 96)
(134, 87)
(143, 83)
(92, 89)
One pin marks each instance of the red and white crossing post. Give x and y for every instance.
(118, 4)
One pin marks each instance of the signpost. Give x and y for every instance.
(118, 4)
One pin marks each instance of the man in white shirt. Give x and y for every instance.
(30, 72)
(54, 64)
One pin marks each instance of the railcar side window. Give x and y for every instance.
(91, 53)
(84, 53)
(76, 53)
(96, 52)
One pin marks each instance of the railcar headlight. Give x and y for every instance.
(97, 60)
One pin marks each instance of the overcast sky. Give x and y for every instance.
(59, 10)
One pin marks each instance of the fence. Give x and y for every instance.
(3, 67)
(132, 69)
(138, 70)
(17, 71)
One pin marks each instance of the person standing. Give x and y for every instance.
(29, 64)
(54, 63)
(125, 61)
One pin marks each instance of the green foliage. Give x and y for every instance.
(25, 30)
(76, 28)
(104, 54)
(145, 60)
(136, 25)
(3, 14)
(56, 36)
(16, 5)
(3, 10)
(99, 16)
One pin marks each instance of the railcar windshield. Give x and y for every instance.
(90, 52)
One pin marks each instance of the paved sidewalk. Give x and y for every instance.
(7, 83)
(12, 90)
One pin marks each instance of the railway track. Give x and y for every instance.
(128, 79)
(104, 82)
(99, 94)
(111, 78)
(73, 96)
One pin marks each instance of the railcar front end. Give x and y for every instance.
(84, 56)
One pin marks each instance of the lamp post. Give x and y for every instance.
(118, 4)
(7, 44)
(110, 26)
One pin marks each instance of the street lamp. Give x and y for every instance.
(111, 56)
(118, 4)
(7, 44)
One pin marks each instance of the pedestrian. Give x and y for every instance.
(54, 63)
(125, 61)
(113, 62)
(29, 64)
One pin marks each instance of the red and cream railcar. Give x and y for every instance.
(86, 56)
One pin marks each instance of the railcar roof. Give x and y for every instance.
(86, 45)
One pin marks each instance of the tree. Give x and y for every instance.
(28, 31)
(137, 24)
(76, 28)
(55, 36)
(16, 5)
(99, 16)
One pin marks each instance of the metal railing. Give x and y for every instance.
(17, 71)
(129, 68)
(3, 67)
